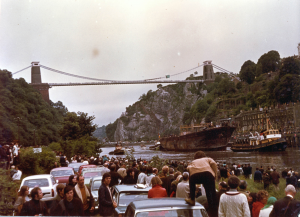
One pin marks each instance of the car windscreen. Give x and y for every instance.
(174, 213)
(58, 173)
(32, 183)
(126, 198)
(75, 166)
(96, 185)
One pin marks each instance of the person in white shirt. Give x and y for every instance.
(232, 202)
(142, 176)
(183, 188)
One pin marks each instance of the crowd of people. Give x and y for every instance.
(194, 181)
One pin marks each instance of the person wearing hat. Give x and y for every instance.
(266, 210)
(203, 170)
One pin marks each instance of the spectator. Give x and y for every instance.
(69, 206)
(284, 173)
(150, 175)
(136, 171)
(129, 179)
(35, 206)
(17, 176)
(223, 187)
(174, 184)
(155, 171)
(233, 203)
(266, 180)
(59, 196)
(72, 181)
(22, 198)
(106, 203)
(257, 176)
(261, 201)
(157, 191)
(105, 169)
(203, 170)
(142, 176)
(243, 188)
(164, 178)
(115, 177)
(266, 210)
(85, 195)
(275, 178)
(122, 170)
(261, 169)
(183, 188)
(3, 157)
(62, 160)
(286, 206)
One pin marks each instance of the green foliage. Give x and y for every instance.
(239, 85)
(8, 193)
(77, 125)
(247, 72)
(55, 146)
(290, 65)
(288, 89)
(157, 162)
(22, 105)
(269, 61)
(210, 114)
(36, 163)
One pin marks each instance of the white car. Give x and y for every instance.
(45, 182)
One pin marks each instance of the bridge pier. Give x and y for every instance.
(36, 81)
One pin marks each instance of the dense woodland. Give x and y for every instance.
(25, 116)
(270, 81)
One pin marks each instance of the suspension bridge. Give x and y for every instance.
(43, 88)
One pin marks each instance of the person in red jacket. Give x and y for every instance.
(157, 190)
(261, 201)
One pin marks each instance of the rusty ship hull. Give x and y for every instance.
(210, 139)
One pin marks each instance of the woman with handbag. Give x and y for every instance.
(22, 198)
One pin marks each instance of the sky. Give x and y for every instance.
(135, 40)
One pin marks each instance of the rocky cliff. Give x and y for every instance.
(157, 112)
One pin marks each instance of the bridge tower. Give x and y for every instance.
(36, 81)
(208, 72)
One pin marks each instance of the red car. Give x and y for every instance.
(62, 174)
(85, 166)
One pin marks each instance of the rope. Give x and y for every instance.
(21, 70)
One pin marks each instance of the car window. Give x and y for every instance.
(58, 173)
(173, 213)
(37, 183)
(126, 198)
(91, 174)
(53, 180)
(96, 185)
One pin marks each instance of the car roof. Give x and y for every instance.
(62, 168)
(124, 188)
(162, 202)
(88, 165)
(39, 176)
(96, 178)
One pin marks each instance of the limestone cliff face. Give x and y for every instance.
(158, 112)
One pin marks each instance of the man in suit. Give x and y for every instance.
(106, 203)
(286, 206)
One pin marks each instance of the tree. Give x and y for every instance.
(289, 65)
(288, 89)
(247, 72)
(210, 114)
(269, 61)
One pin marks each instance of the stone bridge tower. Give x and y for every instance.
(36, 81)
(208, 72)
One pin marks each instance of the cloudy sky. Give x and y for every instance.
(133, 40)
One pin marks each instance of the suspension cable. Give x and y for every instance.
(222, 68)
(21, 70)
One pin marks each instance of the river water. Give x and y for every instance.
(289, 158)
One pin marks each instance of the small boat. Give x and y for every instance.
(267, 140)
(154, 147)
(143, 147)
(118, 150)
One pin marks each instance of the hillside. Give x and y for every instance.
(272, 80)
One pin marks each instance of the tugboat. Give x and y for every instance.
(267, 140)
(118, 150)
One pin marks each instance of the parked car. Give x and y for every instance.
(164, 207)
(75, 166)
(124, 194)
(46, 182)
(95, 184)
(89, 173)
(62, 174)
(85, 166)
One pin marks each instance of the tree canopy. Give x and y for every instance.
(247, 72)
